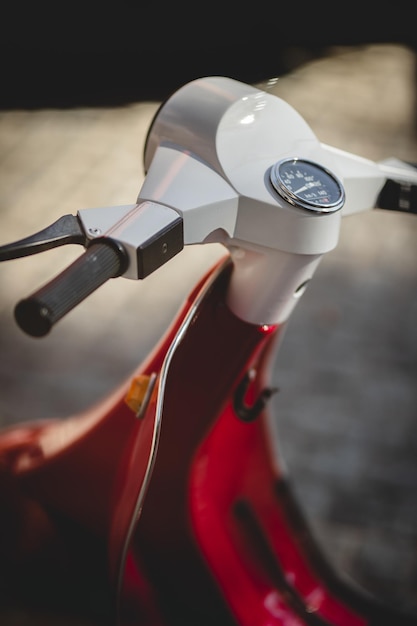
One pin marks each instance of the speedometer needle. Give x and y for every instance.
(307, 186)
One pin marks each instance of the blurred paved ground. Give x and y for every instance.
(346, 413)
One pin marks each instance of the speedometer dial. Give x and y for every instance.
(307, 185)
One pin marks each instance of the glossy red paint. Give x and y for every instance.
(67, 493)
(218, 539)
(246, 535)
(190, 541)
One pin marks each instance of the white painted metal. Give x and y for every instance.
(208, 156)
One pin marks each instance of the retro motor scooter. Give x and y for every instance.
(166, 504)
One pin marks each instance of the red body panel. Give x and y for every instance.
(219, 539)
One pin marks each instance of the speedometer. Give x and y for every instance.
(307, 185)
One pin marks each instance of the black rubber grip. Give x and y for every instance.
(39, 312)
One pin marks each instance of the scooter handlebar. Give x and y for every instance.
(103, 259)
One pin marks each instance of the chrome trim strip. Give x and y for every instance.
(158, 419)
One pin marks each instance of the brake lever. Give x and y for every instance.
(66, 230)
(400, 191)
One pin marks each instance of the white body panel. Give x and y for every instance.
(208, 158)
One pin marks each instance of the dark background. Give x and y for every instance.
(110, 53)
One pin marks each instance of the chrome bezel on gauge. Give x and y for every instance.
(334, 203)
